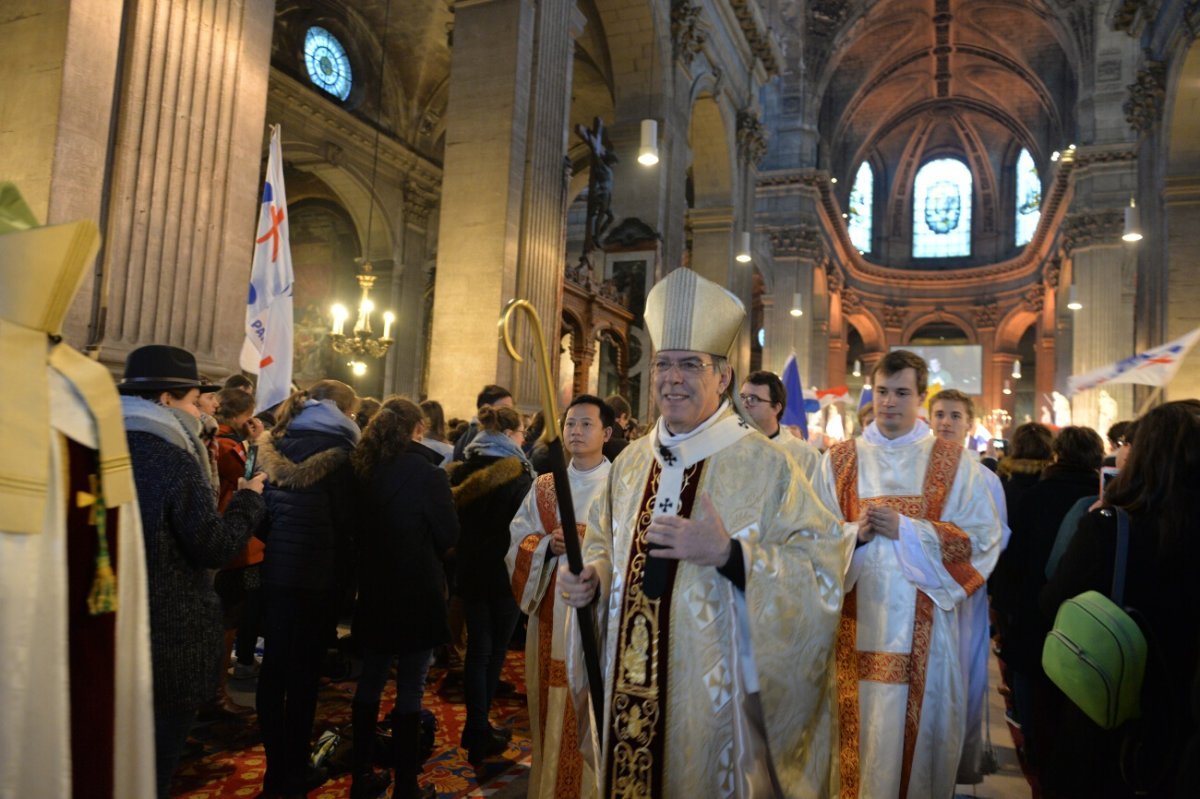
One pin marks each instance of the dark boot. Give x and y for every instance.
(366, 783)
(406, 738)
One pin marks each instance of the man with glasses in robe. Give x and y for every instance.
(717, 577)
(764, 398)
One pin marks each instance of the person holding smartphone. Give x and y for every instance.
(239, 584)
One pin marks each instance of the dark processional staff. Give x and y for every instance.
(562, 485)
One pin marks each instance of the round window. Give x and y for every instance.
(327, 63)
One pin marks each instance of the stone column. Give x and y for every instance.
(541, 258)
(487, 121)
(787, 334)
(501, 213)
(1181, 206)
(184, 205)
(1103, 269)
(408, 301)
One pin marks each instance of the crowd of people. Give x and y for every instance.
(773, 620)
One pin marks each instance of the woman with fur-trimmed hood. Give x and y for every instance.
(488, 490)
(310, 497)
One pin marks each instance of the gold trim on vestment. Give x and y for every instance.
(639, 685)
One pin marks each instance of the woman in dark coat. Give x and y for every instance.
(1157, 488)
(488, 490)
(408, 524)
(307, 564)
(1021, 572)
(185, 538)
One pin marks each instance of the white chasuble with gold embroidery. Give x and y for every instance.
(710, 691)
(557, 767)
(901, 695)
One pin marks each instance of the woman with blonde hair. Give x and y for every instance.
(408, 524)
(310, 500)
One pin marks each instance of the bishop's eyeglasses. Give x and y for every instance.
(690, 367)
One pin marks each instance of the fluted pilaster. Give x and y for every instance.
(185, 179)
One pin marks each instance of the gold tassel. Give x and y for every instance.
(103, 596)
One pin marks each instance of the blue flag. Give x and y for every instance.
(793, 412)
(864, 399)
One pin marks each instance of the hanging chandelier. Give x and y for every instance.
(360, 341)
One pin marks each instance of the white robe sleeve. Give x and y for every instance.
(529, 565)
(951, 559)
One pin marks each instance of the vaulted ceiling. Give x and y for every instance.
(898, 82)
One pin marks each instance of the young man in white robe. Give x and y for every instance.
(952, 414)
(717, 578)
(763, 396)
(927, 537)
(534, 551)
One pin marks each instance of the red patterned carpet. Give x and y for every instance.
(224, 759)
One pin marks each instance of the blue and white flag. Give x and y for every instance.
(268, 347)
(793, 411)
(1154, 367)
(865, 397)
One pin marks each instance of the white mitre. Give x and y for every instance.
(687, 312)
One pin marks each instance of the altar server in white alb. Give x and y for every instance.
(533, 555)
(927, 538)
(718, 577)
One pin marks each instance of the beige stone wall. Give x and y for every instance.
(33, 36)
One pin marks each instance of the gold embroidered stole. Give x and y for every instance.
(636, 743)
(892, 667)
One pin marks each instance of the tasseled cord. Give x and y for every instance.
(103, 596)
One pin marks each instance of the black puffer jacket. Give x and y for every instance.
(408, 524)
(310, 496)
(186, 539)
(488, 492)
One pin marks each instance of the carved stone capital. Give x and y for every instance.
(1089, 228)
(1147, 93)
(1035, 297)
(986, 314)
(894, 315)
(798, 242)
(751, 136)
(851, 302)
(834, 279)
(687, 33)
(1053, 272)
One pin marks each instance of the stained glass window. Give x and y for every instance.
(327, 63)
(942, 210)
(862, 198)
(1029, 198)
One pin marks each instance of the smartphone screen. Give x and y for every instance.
(251, 461)
(1107, 473)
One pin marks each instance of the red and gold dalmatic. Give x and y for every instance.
(557, 768)
(901, 694)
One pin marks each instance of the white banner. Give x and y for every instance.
(268, 347)
(1154, 367)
